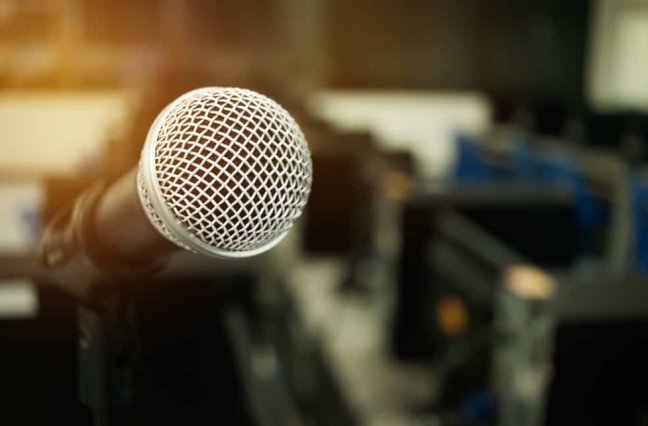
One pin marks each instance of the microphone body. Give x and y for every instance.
(224, 172)
(102, 243)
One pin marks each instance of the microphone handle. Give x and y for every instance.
(104, 242)
(122, 228)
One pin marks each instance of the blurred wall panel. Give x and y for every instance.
(59, 132)
(523, 48)
(533, 50)
(110, 21)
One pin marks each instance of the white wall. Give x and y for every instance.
(618, 56)
(57, 132)
(425, 122)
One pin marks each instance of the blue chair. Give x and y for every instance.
(470, 166)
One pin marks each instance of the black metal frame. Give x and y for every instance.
(109, 360)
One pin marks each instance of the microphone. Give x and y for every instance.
(224, 172)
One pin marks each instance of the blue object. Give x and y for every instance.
(522, 159)
(557, 169)
(639, 194)
(471, 166)
(560, 170)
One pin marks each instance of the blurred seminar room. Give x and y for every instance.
(474, 250)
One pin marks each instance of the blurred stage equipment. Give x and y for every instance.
(343, 195)
(224, 172)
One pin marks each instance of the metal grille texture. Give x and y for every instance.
(231, 166)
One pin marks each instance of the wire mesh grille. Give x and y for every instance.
(232, 166)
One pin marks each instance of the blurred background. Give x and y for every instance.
(474, 252)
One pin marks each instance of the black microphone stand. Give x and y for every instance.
(109, 350)
(109, 360)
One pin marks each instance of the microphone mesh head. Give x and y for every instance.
(224, 172)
